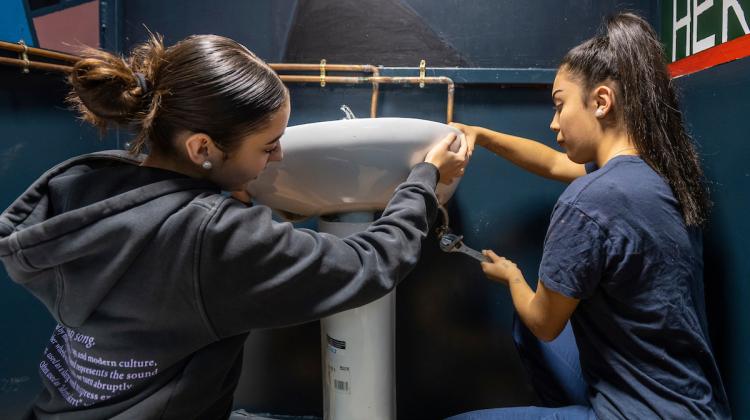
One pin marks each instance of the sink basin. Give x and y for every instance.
(347, 165)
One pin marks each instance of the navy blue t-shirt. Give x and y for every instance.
(618, 242)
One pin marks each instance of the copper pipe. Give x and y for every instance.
(35, 65)
(9, 46)
(375, 92)
(364, 68)
(375, 79)
(361, 68)
(441, 80)
(380, 79)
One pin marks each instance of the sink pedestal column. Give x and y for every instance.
(358, 347)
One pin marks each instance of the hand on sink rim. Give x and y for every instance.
(450, 164)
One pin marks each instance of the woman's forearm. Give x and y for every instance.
(523, 300)
(531, 155)
(543, 313)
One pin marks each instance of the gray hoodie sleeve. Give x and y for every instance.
(254, 272)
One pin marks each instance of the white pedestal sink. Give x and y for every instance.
(347, 170)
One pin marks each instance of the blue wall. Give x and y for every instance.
(716, 103)
(454, 350)
(487, 33)
(37, 133)
(261, 25)
(15, 23)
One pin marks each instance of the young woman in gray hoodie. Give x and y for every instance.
(154, 276)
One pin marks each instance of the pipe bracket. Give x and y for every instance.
(24, 56)
(323, 73)
(422, 69)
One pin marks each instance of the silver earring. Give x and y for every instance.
(599, 113)
(207, 165)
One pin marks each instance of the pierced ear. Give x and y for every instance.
(604, 97)
(198, 148)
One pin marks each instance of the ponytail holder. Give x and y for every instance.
(141, 80)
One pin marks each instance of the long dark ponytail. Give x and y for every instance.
(628, 53)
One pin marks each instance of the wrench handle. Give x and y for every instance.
(473, 253)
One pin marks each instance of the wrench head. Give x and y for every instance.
(450, 242)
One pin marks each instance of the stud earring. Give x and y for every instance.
(599, 113)
(207, 165)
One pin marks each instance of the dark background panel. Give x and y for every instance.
(375, 31)
(521, 33)
(477, 33)
(262, 25)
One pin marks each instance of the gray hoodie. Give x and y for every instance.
(155, 280)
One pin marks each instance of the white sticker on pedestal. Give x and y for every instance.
(342, 379)
(339, 376)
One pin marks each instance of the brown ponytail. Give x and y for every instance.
(204, 83)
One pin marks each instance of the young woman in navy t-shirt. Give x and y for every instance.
(622, 258)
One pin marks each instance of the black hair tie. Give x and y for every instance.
(141, 80)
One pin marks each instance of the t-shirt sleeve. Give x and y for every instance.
(574, 253)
